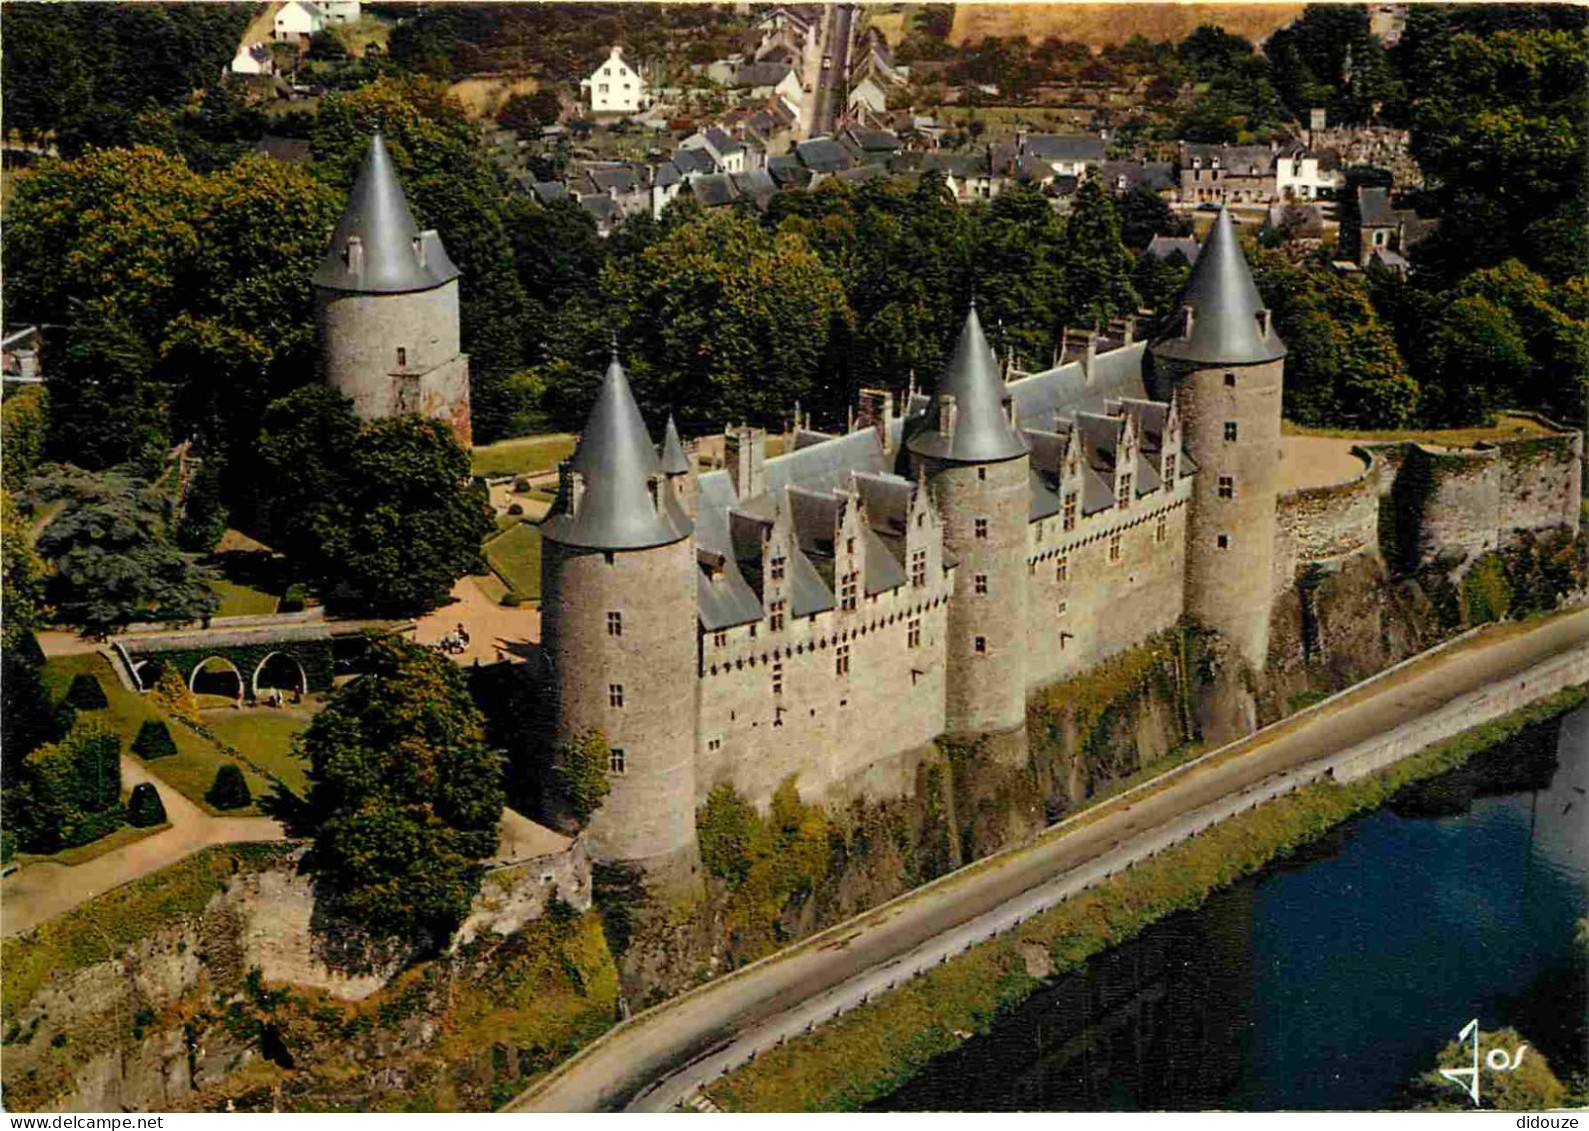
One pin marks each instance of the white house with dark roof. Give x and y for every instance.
(615, 87)
(296, 20)
(253, 59)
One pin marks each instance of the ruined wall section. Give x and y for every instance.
(1326, 524)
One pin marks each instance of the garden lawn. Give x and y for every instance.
(190, 771)
(240, 600)
(265, 736)
(523, 456)
(516, 558)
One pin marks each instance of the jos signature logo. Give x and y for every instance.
(1496, 1060)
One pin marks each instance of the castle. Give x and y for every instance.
(386, 307)
(829, 612)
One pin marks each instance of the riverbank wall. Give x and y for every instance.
(958, 983)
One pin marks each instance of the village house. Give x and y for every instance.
(296, 20)
(1226, 174)
(615, 87)
(1301, 174)
(253, 59)
(1386, 233)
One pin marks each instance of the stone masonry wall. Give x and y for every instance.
(1320, 524)
(1103, 607)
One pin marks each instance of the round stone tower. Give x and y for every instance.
(975, 463)
(386, 304)
(618, 625)
(1225, 362)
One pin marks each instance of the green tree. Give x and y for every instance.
(1096, 264)
(405, 795)
(1144, 214)
(111, 554)
(24, 424)
(728, 321)
(145, 810)
(1477, 353)
(580, 766)
(72, 790)
(230, 788)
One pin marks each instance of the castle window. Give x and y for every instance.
(921, 520)
(849, 545)
(615, 761)
(847, 592)
(777, 679)
(980, 645)
(918, 569)
(1230, 380)
(753, 632)
(714, 743)
(775, 616)
(913, 633)
(775, 569)
(1161, 529)
(1062, 570)
(1169, 470)
(1069, 520)
(719, 640)
(1223, 541)
(982, 473)
(614, 624)
(615, 695)
(1063, 608)
(1114, 547)
(981, 527)
(402, 357)
(1230, 431)
(979, 584)
(1123, 493)
(1227, 486)
(841, 660)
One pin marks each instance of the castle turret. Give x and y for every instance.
(618, 579)
(975, 463)
(679, 466)
(1226, 364)
(386, 303)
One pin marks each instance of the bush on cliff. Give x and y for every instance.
(580, 766)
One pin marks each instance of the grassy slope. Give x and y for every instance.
(1100, 24)
(266, 737)
(191, 770)
(240, 600)
(869, 1052)
(523, 456)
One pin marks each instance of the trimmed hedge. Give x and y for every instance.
(230, 790)
(144, 807)
(85, 693)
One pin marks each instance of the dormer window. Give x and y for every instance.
(402, 357)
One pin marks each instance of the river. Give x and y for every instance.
(1330, 978)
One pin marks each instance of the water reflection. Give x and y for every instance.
(1331, 978)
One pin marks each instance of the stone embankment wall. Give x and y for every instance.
(1325, 524)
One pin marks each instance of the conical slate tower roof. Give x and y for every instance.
(617, 462)
(392, 255)
(982, 432)
(674, 461)
(1226, 325)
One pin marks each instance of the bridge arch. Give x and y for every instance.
(277, 666)
(208, 677)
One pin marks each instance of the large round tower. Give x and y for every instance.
(975, 463)
(1226, 364)
(618, 609)
(386, 304)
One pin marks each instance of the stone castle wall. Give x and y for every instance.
(1103, 607)
(650, 812)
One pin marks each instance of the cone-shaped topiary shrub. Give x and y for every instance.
(154, 740)
(230, 791)
(144, 807)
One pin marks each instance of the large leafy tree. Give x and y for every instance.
(405, 794)
(382, 516)
(1096, 265)
(111, 554)
(1020, 275)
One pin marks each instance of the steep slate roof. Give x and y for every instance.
(982, 431)
(396, 256)
(1225, 308)
(1373, 205)
(721, 142)
(822, 155)
(760, 74)
(616, 460)
(1162, 247)
(548, 191)
(1065, 147)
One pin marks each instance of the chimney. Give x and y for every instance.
(1131, 328)
(946, 414)
(1091, 354)
(745, 453)
(1263, 321)
(1187, 318)
(354, 255)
